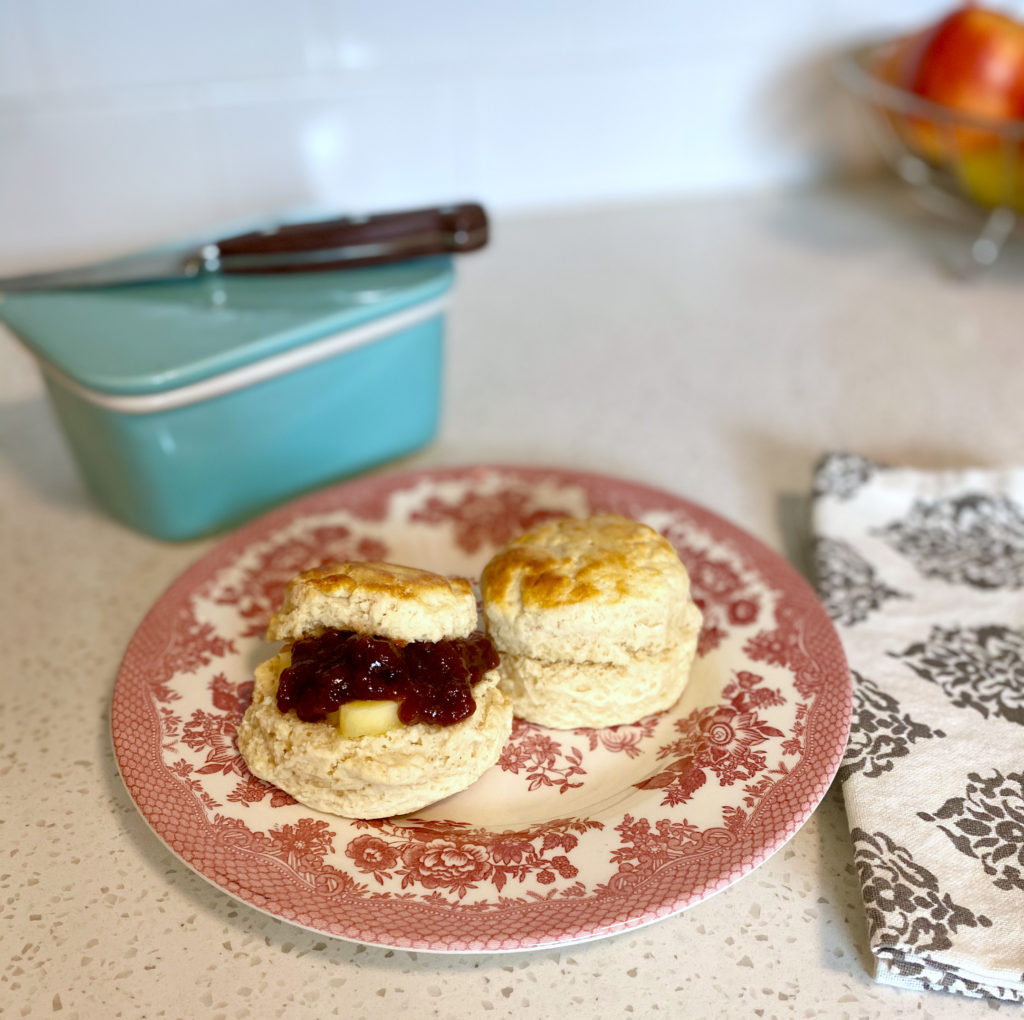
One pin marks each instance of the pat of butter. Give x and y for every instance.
(367, 718)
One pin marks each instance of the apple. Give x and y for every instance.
(971, 62)
(992, 177)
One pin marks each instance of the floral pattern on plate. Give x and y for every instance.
(573, 834)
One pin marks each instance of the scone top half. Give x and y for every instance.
(386, 599)
(599, 589)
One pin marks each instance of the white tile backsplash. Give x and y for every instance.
(521, 36)
(122, 123)
(332, 145)
(69, 183)
(18, 75)
(100, 44)
(635, 122)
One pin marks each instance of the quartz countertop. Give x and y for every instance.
(714, 347)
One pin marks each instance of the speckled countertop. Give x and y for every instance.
(714, 348)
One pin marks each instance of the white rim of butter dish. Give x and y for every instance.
(248, 375)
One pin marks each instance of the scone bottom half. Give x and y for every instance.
(594, 622)
(384, 698)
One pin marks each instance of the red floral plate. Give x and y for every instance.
(572, 835)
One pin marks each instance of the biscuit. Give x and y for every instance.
(391, 773)
(593, 620)
(394, 601)
(407, 766)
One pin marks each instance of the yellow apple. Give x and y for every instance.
(992, 177)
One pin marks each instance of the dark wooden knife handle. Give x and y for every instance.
(357, 241)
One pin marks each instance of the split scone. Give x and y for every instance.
(384, 699)
(593, 621)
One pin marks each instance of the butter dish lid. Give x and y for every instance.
(147, 338)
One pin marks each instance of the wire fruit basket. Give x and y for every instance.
(970, 165)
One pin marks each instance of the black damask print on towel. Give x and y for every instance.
(981, 668)
(923, 573)
(974, 539)
(842, 474)
(987, 823)
(849, 587)
(880, 733)
(906, 909)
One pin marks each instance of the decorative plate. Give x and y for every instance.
(572, 835)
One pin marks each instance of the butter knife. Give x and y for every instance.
(343, 243)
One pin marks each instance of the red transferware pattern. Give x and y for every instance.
(572, 835)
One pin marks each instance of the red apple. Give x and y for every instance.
(971, 62)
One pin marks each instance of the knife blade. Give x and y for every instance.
(341, 243)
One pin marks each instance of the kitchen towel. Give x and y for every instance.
(923, 575)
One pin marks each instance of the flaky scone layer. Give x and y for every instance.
(567, 695)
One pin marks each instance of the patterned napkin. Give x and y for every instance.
(923, 574)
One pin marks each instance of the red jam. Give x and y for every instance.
(433, 680)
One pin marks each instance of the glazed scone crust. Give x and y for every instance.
(600, 589)
(394, 601)
(392, 773)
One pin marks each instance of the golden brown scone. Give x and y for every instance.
(593, 620)
(375, 598)
(406, 767)
(601, 589)
(390, 773)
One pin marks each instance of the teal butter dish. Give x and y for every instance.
(192, 405)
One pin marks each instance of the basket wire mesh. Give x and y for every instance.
(970, 165)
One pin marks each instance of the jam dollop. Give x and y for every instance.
(432, 680)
